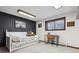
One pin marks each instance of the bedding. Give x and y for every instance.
(15, 39)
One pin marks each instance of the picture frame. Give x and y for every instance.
(71, 24)
(39, 25)
(20, 24)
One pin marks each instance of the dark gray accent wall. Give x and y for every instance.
(7, 21)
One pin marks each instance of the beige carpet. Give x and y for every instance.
(43, 48)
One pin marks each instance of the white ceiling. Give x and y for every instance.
(41, 12)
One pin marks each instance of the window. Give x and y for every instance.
(56, 24)
(50, 25)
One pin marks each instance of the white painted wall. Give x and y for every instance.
(70, 36)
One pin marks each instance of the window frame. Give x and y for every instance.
(54, 20)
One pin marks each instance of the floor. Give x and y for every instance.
(43, 48)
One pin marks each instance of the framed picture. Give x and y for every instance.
(39, 25)
(20, 24)
(71, 23)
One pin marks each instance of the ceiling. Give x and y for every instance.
(41, 12)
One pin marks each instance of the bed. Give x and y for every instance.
(17, 40)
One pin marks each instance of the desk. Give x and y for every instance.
(55, 41)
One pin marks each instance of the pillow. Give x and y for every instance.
(15, 39)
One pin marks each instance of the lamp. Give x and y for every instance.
(57, 7)
(25, 13)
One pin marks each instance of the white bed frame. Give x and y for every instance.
(18, 34)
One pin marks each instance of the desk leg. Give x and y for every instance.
(57, 41)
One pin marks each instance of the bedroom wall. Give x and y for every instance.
(70, 36)
(7, 22)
